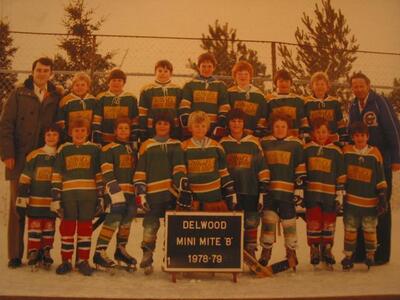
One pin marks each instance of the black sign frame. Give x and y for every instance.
(203, 241)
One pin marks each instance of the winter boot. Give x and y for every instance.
(292, 258)
(315, 255)
(46, 258)
(347, 263)
(14, 263)
(327, 255)
(121, 255)
(369, 259)
(100, 259)
(147, 261)
(265, 256)
(84, 268)
(64, 268)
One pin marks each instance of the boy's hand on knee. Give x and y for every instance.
(56, 208)
(141, 201)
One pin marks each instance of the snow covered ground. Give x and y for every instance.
(306, 282)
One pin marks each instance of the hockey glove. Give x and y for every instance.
(115, 193)
(21, 205)
(263, 195)
(382, 206)
(306, 137)
(97, 137)
(229, 193)
(185, 197)
(298, 197)
(118, 208)
(339, 202)
(218, 133)
(56, 208)
(141, 202)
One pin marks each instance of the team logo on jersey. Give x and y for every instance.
(370, 119)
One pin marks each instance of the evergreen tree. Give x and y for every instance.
(81, 47)
(7, 52)
(222, 41)
(324, 45)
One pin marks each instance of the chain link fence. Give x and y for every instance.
(136, 55)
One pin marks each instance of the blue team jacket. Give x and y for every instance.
(383, 124)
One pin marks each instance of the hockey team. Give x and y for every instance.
(203, 147)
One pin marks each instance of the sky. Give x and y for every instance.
(375, 23)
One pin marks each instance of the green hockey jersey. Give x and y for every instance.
(208, 95)
(285, 160)
(246, 163)
(330, 109)
(72, 107)
(77, 172)
(154, 99)
(207, 170)
(35, 183)
(364, 176)
(291, 105)
(118, 162)
(160, 168)
(109, 108)
(325, 172)
(252, 102)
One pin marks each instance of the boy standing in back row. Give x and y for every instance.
(205, 93)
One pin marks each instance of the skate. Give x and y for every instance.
(147, 262)
(370, 259)
(84, 268)
(122, 256)
(347, 263)
(327, 256)
(255, 267)
(292, 258)
(265, 256)
(34, 260)
(47, 261)
(103, 262)
(64, 268)
(315, 255)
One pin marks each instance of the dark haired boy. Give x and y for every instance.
(207, 94)
(365, 194)
(283, 101)
(113, 104)
(156, 97)
(34, 198)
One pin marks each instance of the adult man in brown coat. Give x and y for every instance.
(29, 109)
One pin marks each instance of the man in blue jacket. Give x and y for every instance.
(384, 133)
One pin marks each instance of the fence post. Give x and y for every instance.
(273, 58)
(93, 58)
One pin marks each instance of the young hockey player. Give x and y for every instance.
(34, 197)
(321, 105)
(77, 192)
(118, 161)
(284, 102)
(112, 104)
(249, 99)
(161, 95)
(160, 171)
(77, 104)
(324, 191)
(365, 194)
(207, 94)
(247, 167)
(284, 156)
(212, 187)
